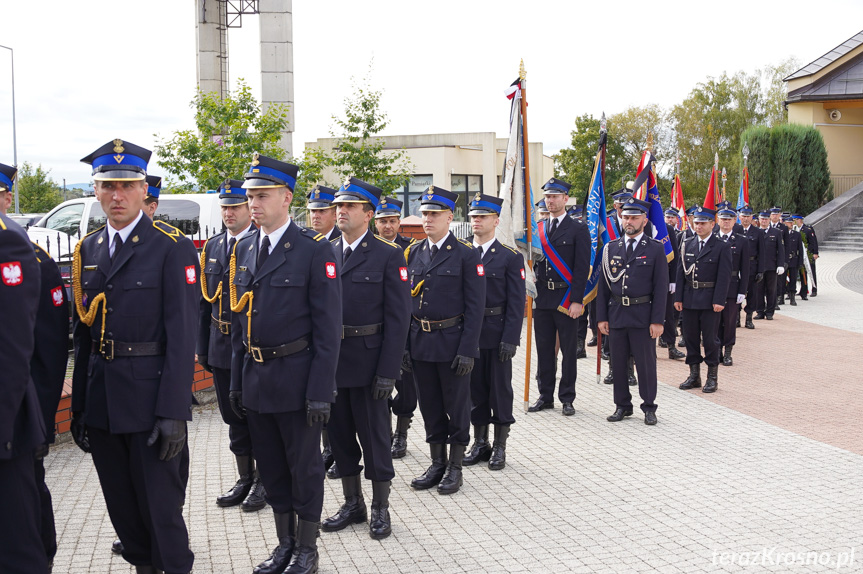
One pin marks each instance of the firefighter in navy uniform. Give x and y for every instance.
(672, 316)
(448, 298)
(404, 403)
(793, 258)
(22, 429)
(560, 280)
(755, 237)
(702, 279)
(375, 317)
(812, 249)
(771, 258)
(154, 190)
(738, 281)
(130, 387)
(491, 379)
(214, 340)
(285, 332)
(631, 308)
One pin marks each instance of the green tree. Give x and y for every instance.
(574, 164)
(227, 132)
(37, 193)
(359, 152)
(776, 90)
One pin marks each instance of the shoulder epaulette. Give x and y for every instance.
(168, 230)
(40, 252)
(466, 243)
(92, 232)
(510, 248)
(334, 239)
(390, 243)
(408, 249)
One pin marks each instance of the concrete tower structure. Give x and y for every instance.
(214, 17)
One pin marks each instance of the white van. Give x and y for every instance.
(195, 214)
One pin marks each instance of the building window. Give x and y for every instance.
(412, 192)
(466, 186)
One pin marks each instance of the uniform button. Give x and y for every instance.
(138, 283)
(256, 285)
(110, 309)
(256, 340)
(425, 303)
(428, 275)
(109, 335)
(8, 446)
(426, 289)
(224, 314)
(108, 287)
(255, 312)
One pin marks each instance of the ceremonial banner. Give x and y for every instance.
(678, 205)
(646, 179)
(594, 216)
(712, 189)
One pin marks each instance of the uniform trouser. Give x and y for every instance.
(804, 280)
(698, 325)
(814, 283)
(288, 455)
(357, 414)
(791, 273)
(582, 324)
(547, 324)
(752, 293)
(669, 331)
(46, 513)
(21, 549)
(638, 344)
(144, 496)
(491, 390)
(728, 322)
(444, 400)
(405, 402)
(767, 289)
(238, 429)
(591, 316)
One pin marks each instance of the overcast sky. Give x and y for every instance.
(87, 72)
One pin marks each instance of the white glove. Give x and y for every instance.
(672, 287)
(740, 298)
(780, 270)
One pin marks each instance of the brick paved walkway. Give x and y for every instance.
(755, 468)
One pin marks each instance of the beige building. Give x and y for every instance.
(464, 163)
(828, 94)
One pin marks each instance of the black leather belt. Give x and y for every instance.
(429, 326)
(261, 354)
(560, 285)
(361, 331)
(111, 349)
(224, 327)
(492, 311)
(628, 301)
(702, 284)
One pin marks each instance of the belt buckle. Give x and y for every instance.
(256, 354)
(224, 328)
(108, 355)
(624, 301)
(426, 325)
(550, 285)
(695, 284)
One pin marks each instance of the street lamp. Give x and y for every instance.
(14, 135)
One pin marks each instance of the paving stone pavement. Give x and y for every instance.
(579, 494)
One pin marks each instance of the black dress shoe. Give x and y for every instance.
(592, 342)
(238, 493)
(452, 479)
(540, 405)
(674, 354)
(662, 343)
(619, 414)
(760, 315)
(257, 498)
(580, 353)
(681, 342)
(353, 511)
(609, 378)
(605, 355)
(434, 473)
(568, 409)
(804, 297)
(769, 317)
(117, 547)
(633, 382)
(286, 530)
(814, 292)
(693, 381)
(334, 473)
(711, 383)
(650, 418)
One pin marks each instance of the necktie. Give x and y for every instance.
(231, 242)
(700, 245)
(479, 249)
(553, 227)
(264, 252)
(433, 251)
(725, 238)
(118, 244)
(630, 246)
(347, 254)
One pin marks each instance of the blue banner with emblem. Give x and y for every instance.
(595, 218)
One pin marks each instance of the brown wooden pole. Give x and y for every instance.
(527, 214)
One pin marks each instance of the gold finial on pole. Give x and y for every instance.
(724, 178)
(716, 160)
(521, 73)
(650, 141)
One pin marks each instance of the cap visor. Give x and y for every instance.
(385, 214)
(233, 200)
(320, 206)
(434, 207)
(258, 183)
(350, 199)
(119, 175)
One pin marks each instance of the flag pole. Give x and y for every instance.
(522, 76)
(603, 127)
(715, 177)
(724, 178)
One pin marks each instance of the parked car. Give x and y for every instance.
(25, 220)
(195, 214)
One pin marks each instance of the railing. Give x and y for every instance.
(842, 183)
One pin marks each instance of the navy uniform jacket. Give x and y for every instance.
(712, 265)
(571, 240)
(402, 241)
(296, 294)
(21, 424)
(451, 285)
(811, 239)
(738, 282)
(151, 296)
(772, 254)
(674, 238)
(504, 287)
(793, 248)
(212, 342)
(375, 290)
(755, 235)
(48, 365)
(644, 275)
